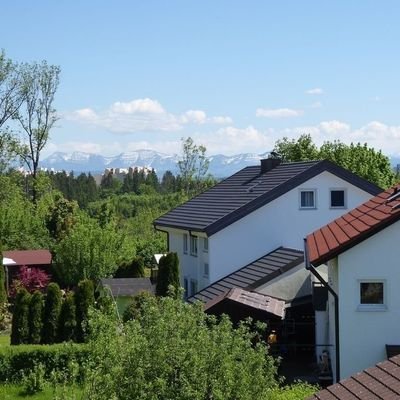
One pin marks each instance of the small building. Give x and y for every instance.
(123, 289)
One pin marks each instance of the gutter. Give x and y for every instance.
(313, 270)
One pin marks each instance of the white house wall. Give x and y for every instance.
(278, 223)
(364, 334)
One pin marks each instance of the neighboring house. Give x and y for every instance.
(31, 258)
(360, 249)
(254, 212)
(379, 382)
(123, 289)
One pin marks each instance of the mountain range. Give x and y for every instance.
(220, 165)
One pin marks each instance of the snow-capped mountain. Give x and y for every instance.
(220, 165)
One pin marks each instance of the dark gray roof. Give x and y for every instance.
(379, 382)
(254, 274)
(128, 286)
(246, 191)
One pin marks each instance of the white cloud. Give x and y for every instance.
(278, 112)
(317, 104)
(141, 115)
(315, 91)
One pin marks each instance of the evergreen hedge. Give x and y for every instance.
(84, 299)
(51, 314)
(68, 319)
(20, 320)
(36, 318)
(168, 274)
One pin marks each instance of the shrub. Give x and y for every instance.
(20, 322)
(135, 308)
(31, 279)
(17, 362)
(84, 299)
(168, 274)
(35, 381)
(3, 292)
(68, 318)
(134, 269)
(51, 314)
(36, 318)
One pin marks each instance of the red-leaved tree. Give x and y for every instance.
(31, 278)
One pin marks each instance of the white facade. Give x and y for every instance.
(279, 223)
(364, 330)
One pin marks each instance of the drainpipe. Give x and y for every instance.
(312, 269)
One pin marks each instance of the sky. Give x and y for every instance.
(234, 75)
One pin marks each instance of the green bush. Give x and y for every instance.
(134, 269)
(135, 308)
(84, 299)
(17, 362)
(36, 318)
(168, 274)
(35, 381)
(20, 323)
(68, 318)
(52, 308)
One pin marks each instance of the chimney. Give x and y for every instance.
(269, 163)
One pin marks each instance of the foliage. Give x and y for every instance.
(67, 326)
(35, 381)
(173, 350)
(84, 298)
(32, 279)
(36, 317)
(51, 315)
(297, 391)
(5, 318)
(20, 320)
(19, 361)
(193, 166)
(87, 251)
(360, 159)
(168, 274)
(133, 269)
(3, 292)
(135, 308)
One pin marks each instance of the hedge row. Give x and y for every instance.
(19, 361)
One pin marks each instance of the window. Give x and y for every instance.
(185, 243)
(193, 245)
(186, 287)
(205, 245)
(307, 199)
(206, 270)
(193, 287)
(372, 295)
(338, 198)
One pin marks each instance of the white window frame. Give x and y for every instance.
(315, 199)
(206, 270)
(194, 245)
(372, 307)
(205, 245)
(185, 243)
(344, 206)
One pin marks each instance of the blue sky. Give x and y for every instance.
(234, 75)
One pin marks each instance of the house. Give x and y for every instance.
(123, 289)
(379, 382)
(14, 259)
(254, 212)
(361, 314)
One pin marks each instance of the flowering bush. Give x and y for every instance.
(31, 279)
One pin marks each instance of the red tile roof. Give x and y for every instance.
(353, 227)
(29, 257)
(379, 382)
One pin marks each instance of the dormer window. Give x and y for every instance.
(308, 199)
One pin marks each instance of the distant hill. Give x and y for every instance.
(220, 165)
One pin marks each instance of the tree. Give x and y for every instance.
(37, 115)
(193, 165)
(84, 299)
(3, 291)
(52, 308)
(168, 274)
(360, 159)
(20, 319)
(68, 319)
(168, 182)
(36, 318)
(173, 350)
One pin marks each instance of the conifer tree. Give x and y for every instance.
(68, 319)
(20, 323)
(36, 318)
(51, 316)
(168, 274)
(3, 292)
(84, 299)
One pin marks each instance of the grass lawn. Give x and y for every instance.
(4, 340)
(11, 392)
